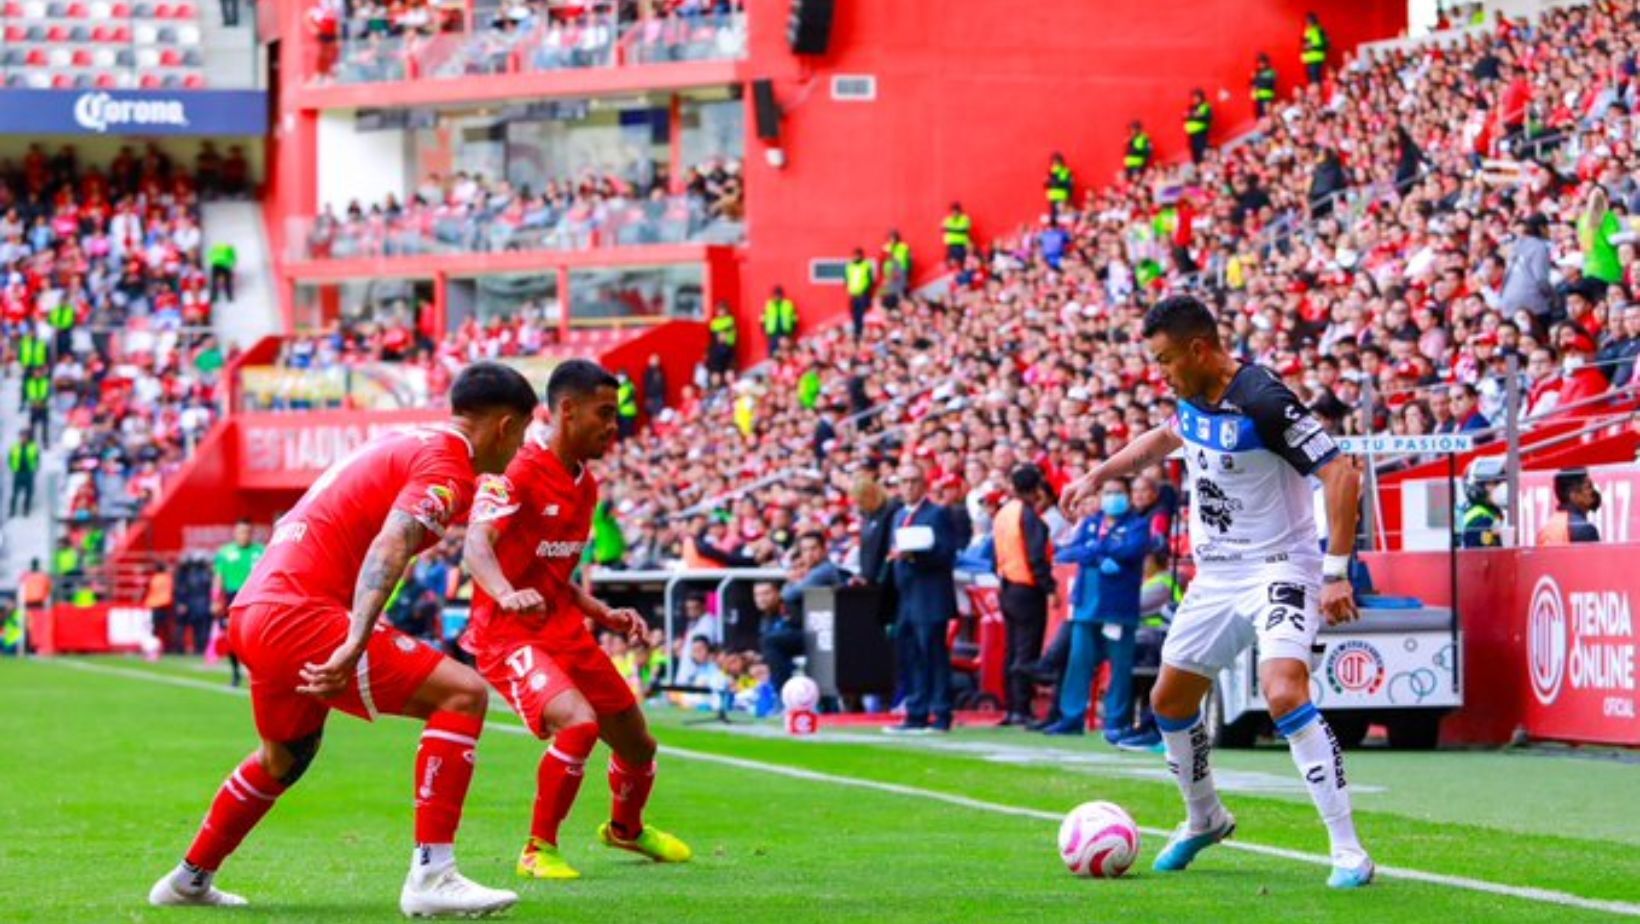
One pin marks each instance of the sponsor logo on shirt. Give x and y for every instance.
(1318, 446)
(551, 549)
(1300, 431)
(288, 532)
(550, 510)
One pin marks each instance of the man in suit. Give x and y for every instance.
(923, 577)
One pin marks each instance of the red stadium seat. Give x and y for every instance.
(57, 33)
(36, 57)
(184, 11)
(194, 81)
(63, 81)
(14, 33)
(162, 11)
(107, 81)
(82, 57)
(170, 57)
(120, 11)
(151, 82)
(78, 11)
(13, 10)
(121, 35)
(102, 34)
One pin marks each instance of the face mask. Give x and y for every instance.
(1571, 363)
(1113, 505)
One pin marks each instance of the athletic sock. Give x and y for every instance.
(246, 795)
(1188, 748)
(1320, 762)
(444, 769)
(558, 779)
(630, 787)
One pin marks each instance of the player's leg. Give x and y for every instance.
(244, 798)
(1287, 626)
(398, 676)
(631, 780)
(1205, 636)
(568, 720)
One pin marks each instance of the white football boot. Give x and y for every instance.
(183, 886)
(447, 893)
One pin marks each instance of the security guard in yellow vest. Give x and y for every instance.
(720, 353)
(779, 319)
(1198, 122)
(896, 266)
(1058, 184)
(24, 462)
(959, 235)
(1139, 151)
(1316, 46)
(32, 351)
(62, 320)
(626, 404)
(860, 275)
(37, 401)
(1264, 85)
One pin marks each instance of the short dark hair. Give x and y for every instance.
(579, 378)
(486, 386)
(813, 534)
(1568, 480)
(1181, 318)
(1026, 479)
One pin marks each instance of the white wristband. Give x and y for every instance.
(1335, 566)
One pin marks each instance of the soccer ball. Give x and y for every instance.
(800, 694)
(1098, 840)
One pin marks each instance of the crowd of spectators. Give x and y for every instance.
(368, 41)
(1476, 204)
(469, 212)
(101, 304)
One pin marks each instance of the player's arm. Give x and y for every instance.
(624, 620)
(1341, 488)
(383, 566)
(478, 554)
(1151, 447)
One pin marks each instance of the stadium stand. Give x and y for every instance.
(102, 267)
(469, 213)
(102, 45)
(432, 41)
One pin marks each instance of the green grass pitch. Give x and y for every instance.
(106, 770)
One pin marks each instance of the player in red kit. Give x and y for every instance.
(529, 633)
(305, 626)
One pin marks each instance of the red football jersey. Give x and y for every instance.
(543, 514)
(318, 547)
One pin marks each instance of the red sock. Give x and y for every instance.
(245, 796)
(444, 768)
(630, 787)
(558, 778)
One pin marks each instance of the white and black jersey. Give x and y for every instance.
(1249, 458)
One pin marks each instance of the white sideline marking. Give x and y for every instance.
(1525, 893)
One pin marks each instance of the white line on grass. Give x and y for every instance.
(1526, 893)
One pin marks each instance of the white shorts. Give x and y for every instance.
(1277, 605)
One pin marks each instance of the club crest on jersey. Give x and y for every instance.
(1228, 432)
(1227, 462)
(446, 496)
(550, 510)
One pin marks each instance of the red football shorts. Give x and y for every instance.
(276, 640)
(531, 674)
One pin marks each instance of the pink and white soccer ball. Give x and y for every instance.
(1098, 840)
(800, 694)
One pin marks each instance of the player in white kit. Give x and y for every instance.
(1250, 448)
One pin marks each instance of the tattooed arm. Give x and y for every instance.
(384, 564)
(1151, 447)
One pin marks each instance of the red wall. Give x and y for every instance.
(973, 96)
